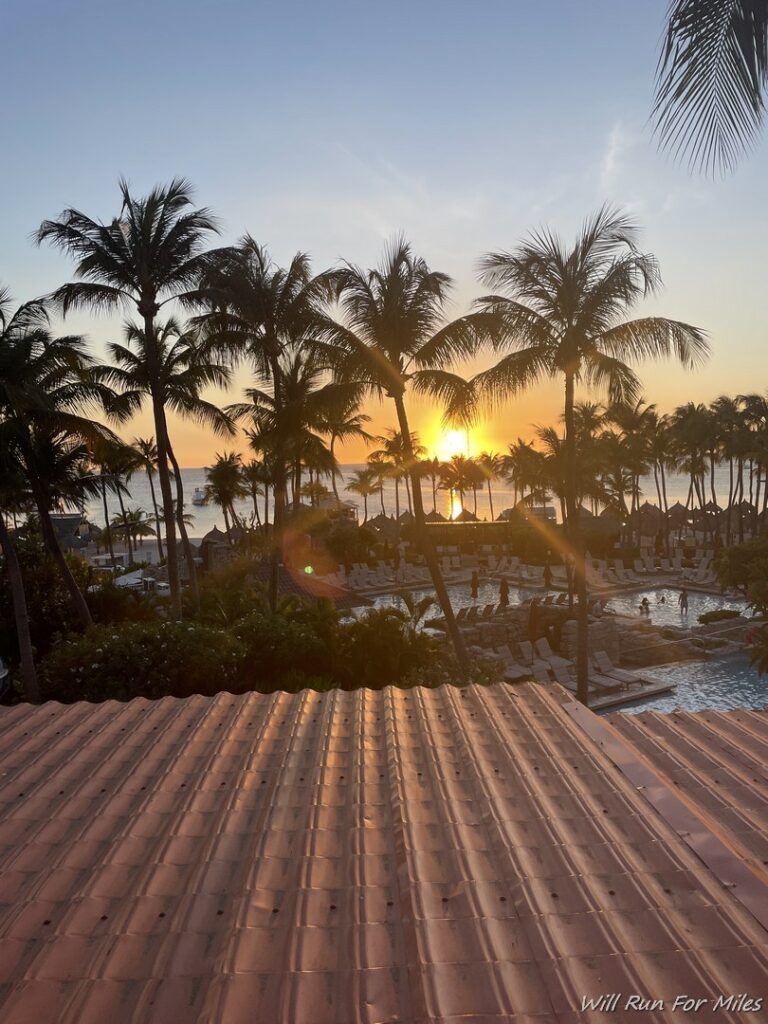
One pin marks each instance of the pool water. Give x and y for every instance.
(664, 609)
(461, 597)
(722, 683)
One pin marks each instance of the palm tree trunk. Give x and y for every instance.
(434, 493)
(51, 542)
(128, 540)
(188, 552)
(163, 445)
(333, 468)
(279, 486)
(730, 501)
(157, 515)
(107, 527)
(365, 509)
(20, 614)
(490, 502)
(381, 496)
(427, 550)
(577, 548)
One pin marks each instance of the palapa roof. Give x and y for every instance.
(428, 855)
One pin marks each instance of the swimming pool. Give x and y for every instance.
(461, 596)
(662, 612)
(664, 609)
(721, 683)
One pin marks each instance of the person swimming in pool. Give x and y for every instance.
(645, 606)
(683, 601)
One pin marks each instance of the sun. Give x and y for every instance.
(450, 443)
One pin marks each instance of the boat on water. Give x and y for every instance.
(198, 498)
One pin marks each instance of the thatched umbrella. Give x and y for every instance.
(435, 517)
(465, 516)
(678, 514)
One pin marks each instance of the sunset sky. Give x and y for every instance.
(332, 127)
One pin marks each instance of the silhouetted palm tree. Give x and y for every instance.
(46, 384)
(225, 486)
(13, 496)
(711, 80)
(258, 312)
(151, 254)
(394, 337)
(147, 450)
(563, 316)
(363, 482)
(184, 366)
(491, 465)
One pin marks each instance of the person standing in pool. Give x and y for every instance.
(547, 577)
(474, 585)
(683, 601)
(503, 593)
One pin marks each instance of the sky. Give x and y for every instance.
(330, 128)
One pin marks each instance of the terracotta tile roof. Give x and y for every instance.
(403, 855)
(718, 762)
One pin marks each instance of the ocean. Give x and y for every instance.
(205, 517)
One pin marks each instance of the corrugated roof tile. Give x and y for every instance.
(425, 855)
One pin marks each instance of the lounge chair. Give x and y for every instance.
(487, 612)
(540, 673)
(530, 658)
(596, 683)
(512, 670)
(462, 613)
(472, 614)
(606, 667)
(547, 654)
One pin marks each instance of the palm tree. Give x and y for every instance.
(400, 459)
(252, 473)
(363, 482)
(344, 422)
(431, 468)
(225, 486)
(258, 312)
(147, 451)
(151, 254)
(185, 365)
(394, 336)
(491, 465)
(45, 385)
(711, 80)
(12, 496)
(381, 469)
(563, 315)
(456, 477)
(118, 462)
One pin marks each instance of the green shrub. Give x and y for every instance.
(718, 615)
(380, 648)
(288, 650)
(745, 568)
(142, 659)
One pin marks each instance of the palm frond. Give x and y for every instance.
(711, 80)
